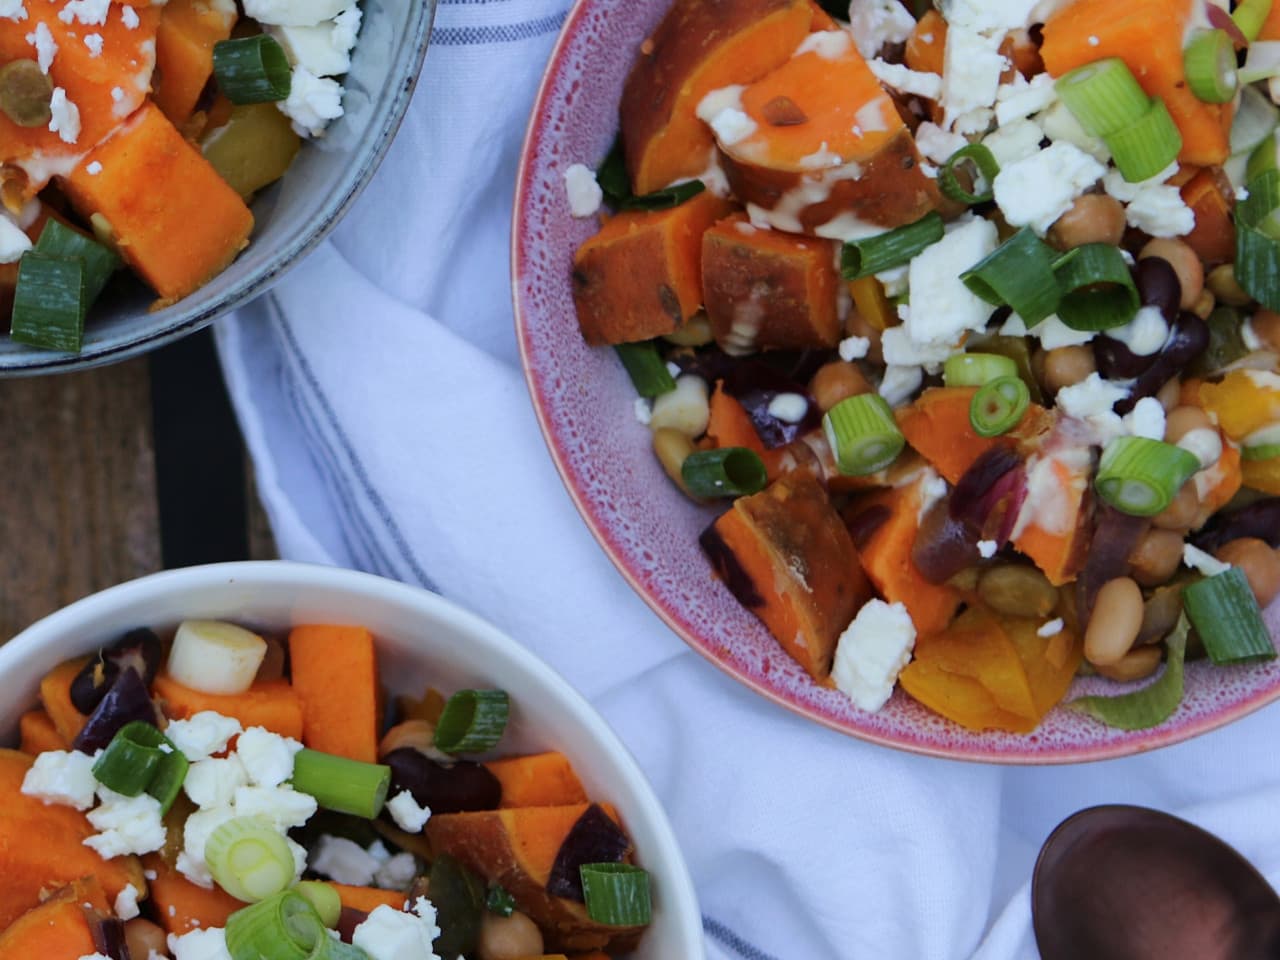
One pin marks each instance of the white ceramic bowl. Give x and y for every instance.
(422, 639)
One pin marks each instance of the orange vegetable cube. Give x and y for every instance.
(335, 673)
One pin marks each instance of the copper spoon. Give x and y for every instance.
(1128, 883)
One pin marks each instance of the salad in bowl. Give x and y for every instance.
(283, 781)
(961, 326)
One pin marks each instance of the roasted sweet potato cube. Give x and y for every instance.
(517, 849)
(839, 156)
(177, 223)
(184, 53)
(1211, 197)
(640, 277)
(58, 927)
(788, 558)
(698, 47)
(766, 290)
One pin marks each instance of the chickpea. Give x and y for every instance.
(1065, 366)
(1017, 591)
(673, 448)
(1222, 281)
(1181, 513)
(1186, 264)
(1170, 395)
(1182, 420)
(1156, 557)
(1093, 218)
(142, 936)
(1115, 622)
(1266, 325)
(1137, 664)
(508, 938)
(837, 381)
(1259, 563)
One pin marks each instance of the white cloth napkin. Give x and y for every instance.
(381, 397)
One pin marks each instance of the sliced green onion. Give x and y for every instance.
(1098, 291)
(100, 262)
(1103, 96)
(324, 898)
(141, 759)
(252, 69)
(1250, 15)
(499, 901)
(284, 927)
(473, 721)
(998, 406)
(861, 258)
(984, 162)
(1154, 703)
(1262, 61)
(1018, 273)
(49, 302)
(1148, 145)
(617, 894)
(337, 783)
(664, 199)
(1257, 266)
(612, 175)
(863, 434)
(1227, 617)
(1263, 158)
(1262, 444)
(1140, 477)
(249, 858)
(724, 472)
(975, 369)
(1255, 119)
(648, 371)
(1209, 62)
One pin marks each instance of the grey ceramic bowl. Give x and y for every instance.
(291, 217)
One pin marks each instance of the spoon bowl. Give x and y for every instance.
(1121, 882)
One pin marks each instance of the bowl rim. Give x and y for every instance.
(678, 888)
(1132, 743)
(34, 361)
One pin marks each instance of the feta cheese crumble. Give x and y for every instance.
(46, 47)
(643, 411)
(408, 815)
(126, 905)
(93, 169)
(210, 944)
(60, 776)
(1051, 628)
(853, 348)
(91, 13)
(13, 10)
(1146, 419)
(64, 119)
(125, 824)
(203, 734)
(872, 651)
(942, 307)
(129, 17)
(94, 42)
(875, 23)
(1038, 189)
(397, 872)
(389, 934)
(788, 407)
(914, 82)
(312, 102)
(1202, 562)
(267, 757)
(344, 860)
(295, 13)
(987, 549)
(585, 195)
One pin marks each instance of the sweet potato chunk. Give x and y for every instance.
(1057, 536)
(57, 928)
(1211, 197)
(840, 152)
(176, 221)
(517, 849)
(184, 53)
(886, 555)
(768, 290)
(42, 847)
(180, 905)
(786, 555)
(700, 46)
(640, 277)
(538, 780)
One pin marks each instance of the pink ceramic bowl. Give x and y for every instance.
(585, 404)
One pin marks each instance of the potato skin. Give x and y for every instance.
(700, 46)
(764, 289)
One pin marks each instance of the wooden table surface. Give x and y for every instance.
(118, 472)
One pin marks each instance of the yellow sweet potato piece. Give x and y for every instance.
(517, 849)
(640, 277)
(698, 47)
(828, 145)
(786, 555)
(42, 847)
(766, 290)
(176, 222)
